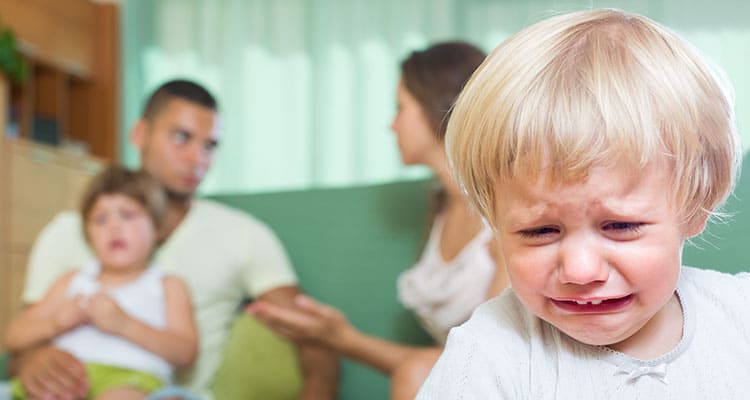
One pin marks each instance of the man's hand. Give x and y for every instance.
(51, 374)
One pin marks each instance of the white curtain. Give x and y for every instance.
(306, 87)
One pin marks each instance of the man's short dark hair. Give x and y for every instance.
(178, 88)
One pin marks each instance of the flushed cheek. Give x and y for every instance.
(530, 266)
(531, 282)
(654, 270)
(141, 237)
(99, 239)
(659, 286)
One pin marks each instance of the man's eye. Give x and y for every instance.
(539, 232)
(211, 145)
(180, 137)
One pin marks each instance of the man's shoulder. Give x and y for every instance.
(221, 218)
(220, 213)
(67, 218)
(66, 226)
(59, 247)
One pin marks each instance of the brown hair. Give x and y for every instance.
(177, 89)
(435, 77)
(137, 185)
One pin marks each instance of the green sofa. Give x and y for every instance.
(348, 246)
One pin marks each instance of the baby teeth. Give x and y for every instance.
(594, 302)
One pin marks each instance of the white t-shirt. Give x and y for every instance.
(505, 352)
(443, 294)
(223, 254)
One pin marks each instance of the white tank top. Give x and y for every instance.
(142, 299)
(444, 294)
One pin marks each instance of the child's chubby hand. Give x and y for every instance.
(104, 313)
(70, 314)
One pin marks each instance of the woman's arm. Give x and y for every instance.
(326, 326)
(177, 343)
(53, 315)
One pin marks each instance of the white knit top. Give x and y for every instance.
(443, 294)
(505, 352)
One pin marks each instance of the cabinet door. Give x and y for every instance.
(76, 172)
(12, 279)
(36, 184)
(40, 182)
(43, 182)
(17, 280)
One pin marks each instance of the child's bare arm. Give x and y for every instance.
(53, 315)
(177, 343)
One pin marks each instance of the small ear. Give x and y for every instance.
(138, 134)
(695, 226)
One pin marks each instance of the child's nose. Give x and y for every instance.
(581, 261)
(115, 224)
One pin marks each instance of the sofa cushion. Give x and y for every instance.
(257, 365)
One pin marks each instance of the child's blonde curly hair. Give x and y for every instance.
(595, 88)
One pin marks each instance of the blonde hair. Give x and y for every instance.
(594, 88)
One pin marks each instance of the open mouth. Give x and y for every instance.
(595, 305)
(117, 244)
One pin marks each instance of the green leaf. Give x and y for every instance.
(12, 63)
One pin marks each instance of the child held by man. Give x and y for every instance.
(130, 323)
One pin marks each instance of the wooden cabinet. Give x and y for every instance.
(37, 182)
(70, 98)
(72, 95)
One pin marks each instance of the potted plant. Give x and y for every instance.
(12, 63)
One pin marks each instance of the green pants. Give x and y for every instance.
(103, 378)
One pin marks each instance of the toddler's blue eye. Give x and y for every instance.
(537, 232)
(623, 226)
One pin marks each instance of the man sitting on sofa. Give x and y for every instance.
(224, 254)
